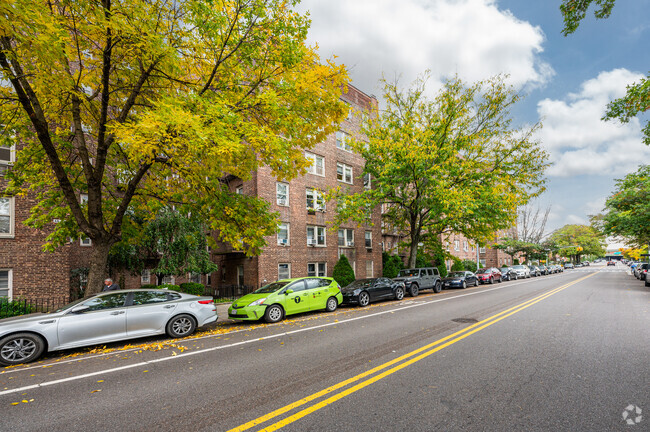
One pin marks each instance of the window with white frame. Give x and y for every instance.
(366, 181)
(346, 237)
(482, 249)
(283, 234)
(7, 217)
(240, 274)
(239, 190)
(456, 245)
(7, 155)
(315, 200)
(343, 141)
(145, 276)
(317, 164)
(282, 194)
(344, 173)
(284, 271)
(368, 239)
(5, 283)
(315, 235)
(317, 269)
(194, 277)
(370, 269)
(168, 280)
(482, 262)
(465, 245)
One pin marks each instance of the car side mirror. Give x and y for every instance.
(80, 309)
(289, 291)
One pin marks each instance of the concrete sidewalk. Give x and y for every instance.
(222, 311)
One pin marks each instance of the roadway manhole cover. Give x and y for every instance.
(465, 320)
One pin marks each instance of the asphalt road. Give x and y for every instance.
(561, 352)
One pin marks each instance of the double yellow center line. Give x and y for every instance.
(391, 367)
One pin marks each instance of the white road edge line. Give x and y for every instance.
(179, 356)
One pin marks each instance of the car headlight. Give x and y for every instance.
(258, 302)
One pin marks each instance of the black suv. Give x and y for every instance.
(420, 278)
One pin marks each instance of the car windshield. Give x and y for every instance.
(457, 274)
(361, 283)
(504, 269)
(518, 267)
(408, 273)
(69, 305)
(272, 287)
(482, 271)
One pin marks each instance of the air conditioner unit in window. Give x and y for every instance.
(350, 243)
(311, 242)
(283, 242)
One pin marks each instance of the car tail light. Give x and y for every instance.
(206, 301)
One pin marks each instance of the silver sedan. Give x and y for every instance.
(103, 318)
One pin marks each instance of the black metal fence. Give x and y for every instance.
(22, 306)
(229, 292)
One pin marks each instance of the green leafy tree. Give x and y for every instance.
(575, 241)
(627, 210)
(391, 265)
(458, 265)
(470, 265)
(343, 272)
(133, 105)
(440, 165)
(637, 99)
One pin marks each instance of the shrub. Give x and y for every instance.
(192, 288)
(10, 308)
(170, 287)
(392, 264)
(343, 273)
(458, 265)
(515, 261)
(470, 265)
(149, 286)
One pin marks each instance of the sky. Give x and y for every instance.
(567, 80)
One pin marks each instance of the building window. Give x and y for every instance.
(282, 194)
(240, 274)
(456, 245)
(7, 154)
(5, 283)
(465, 245)
(343, 141)
(284, 271)
(194, 277)
(344, 173)
(346, 237)
(315, 200)
(168, 280)
(6, 217)
(482, 262)
(366, 181)
(317, 164)
(283, 234)
(369, 239)
(317, 269)
(369, 269)
(239, 190)
(482, 250)
(145, 276)
(315, 236)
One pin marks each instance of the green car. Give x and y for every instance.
(287, 297)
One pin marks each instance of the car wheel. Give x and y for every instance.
(516, 277)
(20, 348)
(500, 280)
(464, 284)
(364, 299)
(274, 313)
(180, 326)
(646, 282)
(437, 287)
(332, 304)
(414, 290)
(399, 293)
(476, 283)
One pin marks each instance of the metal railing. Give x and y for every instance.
(231, 292)
(22, 306)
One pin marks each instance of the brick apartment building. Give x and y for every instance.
(306, 244)
(25, 269)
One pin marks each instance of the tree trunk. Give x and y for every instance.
(98, 266)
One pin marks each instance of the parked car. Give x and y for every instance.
(522, 271)
(543, 270)
(568, 265)
(641, 271)
(364, 291)
(460, 279)
(420, 278)
(488, 275)
(508, 273)
(534, 270)
(287, 297)
(103, 318)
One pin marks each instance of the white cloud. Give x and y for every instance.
(580, 142)
(472, 38)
